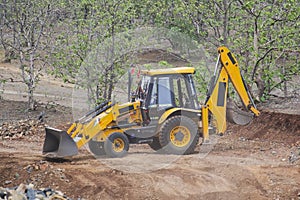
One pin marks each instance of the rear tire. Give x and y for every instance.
(179, 135)
(155, 145)
(97, 148)
(116, 145)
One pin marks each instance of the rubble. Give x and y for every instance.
(23, 192)
(20, 129)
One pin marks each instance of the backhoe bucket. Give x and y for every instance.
(237, 116)
(59, 144)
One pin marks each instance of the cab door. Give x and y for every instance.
(161, 98)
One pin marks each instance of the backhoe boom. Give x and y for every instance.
(216, 101)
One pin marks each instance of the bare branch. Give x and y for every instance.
(258, 61)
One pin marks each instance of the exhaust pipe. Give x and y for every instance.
(58, 144)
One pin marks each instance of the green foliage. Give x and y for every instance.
(263, 35)
(164, 64)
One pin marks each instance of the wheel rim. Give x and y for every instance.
(118, 145)
(180, 136)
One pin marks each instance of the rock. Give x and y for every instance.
(48, 192)
(28, 168)
(3, 193)
(14, 195)
(36, 167)
(17, 176)
(30, 194)
(44, 166)
(23, 192)
(7, 182)
(293, 157)
(21, 188)
(39, 196)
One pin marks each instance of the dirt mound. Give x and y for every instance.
(271, 126)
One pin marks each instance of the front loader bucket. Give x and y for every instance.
(237, 116)
(59, 144)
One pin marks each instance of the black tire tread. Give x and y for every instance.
(170, 123)
(97, 148)
(155, 145)
(108, 145)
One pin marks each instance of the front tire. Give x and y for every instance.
(116, 145)
(179, 135)
(97, 148)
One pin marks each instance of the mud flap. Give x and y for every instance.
(59, 144)
(237, 116)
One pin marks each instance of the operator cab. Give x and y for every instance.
(161, 90)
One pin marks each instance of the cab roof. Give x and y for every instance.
(177, 70)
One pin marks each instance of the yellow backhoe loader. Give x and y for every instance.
(163, 112)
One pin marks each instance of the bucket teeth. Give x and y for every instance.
(59, 144)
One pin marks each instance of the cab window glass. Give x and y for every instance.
(164, 92)
(181, 94)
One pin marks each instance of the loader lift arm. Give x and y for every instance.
(217, 93)
(60, 143)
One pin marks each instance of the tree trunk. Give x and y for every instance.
(260, 85)
(255, 38)
(8, 55)
(105, 85)
(31, 83)
(225, 21)
(112, 74)
(284, 79)
(31, 102)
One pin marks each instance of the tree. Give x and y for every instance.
(25, 27)
(91, 23)
(264, 35)
(274, 38)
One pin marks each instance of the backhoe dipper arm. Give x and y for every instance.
(232, 68)
(217, 95)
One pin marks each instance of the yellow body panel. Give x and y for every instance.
(100, 125)
(166, 114)
(205, 123)
(101, 137)
(219, 112)
(178, 70)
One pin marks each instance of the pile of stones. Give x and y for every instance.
(20, 129)
(27, 192)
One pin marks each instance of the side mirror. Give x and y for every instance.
(133, 96)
